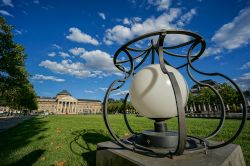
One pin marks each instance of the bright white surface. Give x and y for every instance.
(152, 94)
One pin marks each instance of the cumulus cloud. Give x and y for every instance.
(232, 35)
(103, 89)
(88, 91)
(8, 3)
(56, 46)
(102, 15)
(96, 64)
(160, 4)
(52, 54)
(36, 2)
(168, 20)
(244, 81)
(98, 59)
(186, 18)
(63, 54)
(245, 66)
(47, 78)
(67, 67)
(121, 92)
(138, 59)
(77, 51)
(78, 36)
(18, 32)
(133, 20)
(5, 13)
(218, 57)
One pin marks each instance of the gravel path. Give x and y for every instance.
(8, 122)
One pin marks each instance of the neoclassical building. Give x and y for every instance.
(65, 103)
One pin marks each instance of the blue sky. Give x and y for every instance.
(70, 44)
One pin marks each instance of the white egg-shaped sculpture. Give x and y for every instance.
(152, 93)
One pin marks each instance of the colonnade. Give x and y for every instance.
(65, 107)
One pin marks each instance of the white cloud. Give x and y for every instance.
(18, 32)
(244, 81)
(232, 35)
(98, 59)
(78, 36)
(24, 12)
(52, 54)
(218, 57)
(121, 92)
(245, 66)
(8, 3)
(5, 13)
(133, 20)
(168, 20)
(36, 2)
(88, 91)
(63, 54)
(50, 78)
(56, 46)
(96, 64)
(66, 67)
(212, 51)
(160, 4)
(186, 18)
(103, 89)
(138, 59)
(102, 15)
(77, 51)
(126, 21)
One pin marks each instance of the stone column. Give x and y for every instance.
(209, 108)
(57, 107)
(61, 107)
(74, 106)
(241, 107)
(194, 107)
(64, 109)
(69, 107)
(204, 107)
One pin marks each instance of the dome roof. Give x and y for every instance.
(64, 92)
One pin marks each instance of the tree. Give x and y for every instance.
(206, 95)
(229, 95)
(117, 106)
(15, 87)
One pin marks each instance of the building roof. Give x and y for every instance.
(64, 92)
(89, 100)
(210, 82)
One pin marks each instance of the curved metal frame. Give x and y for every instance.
(161, 50)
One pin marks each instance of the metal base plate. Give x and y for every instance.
(165, 141)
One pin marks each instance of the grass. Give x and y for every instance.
(72, 139)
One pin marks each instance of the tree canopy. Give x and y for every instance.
(15, 88)
(206, 95)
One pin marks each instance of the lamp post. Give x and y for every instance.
(159, 92)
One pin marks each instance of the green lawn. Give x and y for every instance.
(72, 139)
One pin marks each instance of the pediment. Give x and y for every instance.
(68, 99)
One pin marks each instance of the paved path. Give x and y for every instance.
(8, 122)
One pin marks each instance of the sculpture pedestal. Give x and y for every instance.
(111, 154)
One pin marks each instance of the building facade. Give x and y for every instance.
(65, 103)
(195, 88)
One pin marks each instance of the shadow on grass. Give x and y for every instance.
(30, 158)
(84, 144)
(18, 137)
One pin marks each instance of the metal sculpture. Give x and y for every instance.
(185, 143)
